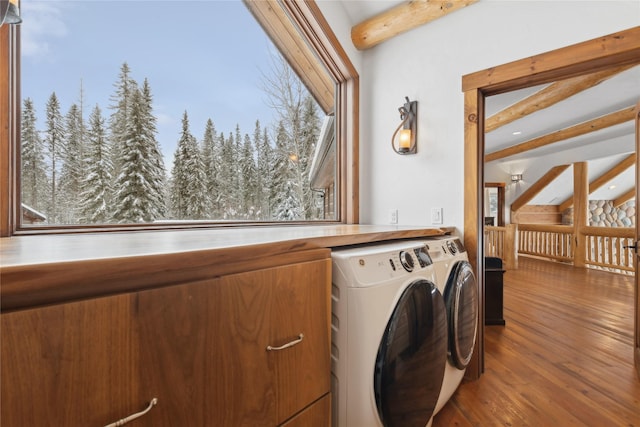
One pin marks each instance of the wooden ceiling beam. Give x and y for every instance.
(616, 170)
(549, 96)
(625, 198)
(537, 187)
(400, 19)
(599, 123)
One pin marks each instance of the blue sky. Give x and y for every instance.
(206, 57)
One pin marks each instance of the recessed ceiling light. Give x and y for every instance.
(516, 132)
(611, 187)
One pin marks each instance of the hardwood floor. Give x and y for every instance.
(564, 357)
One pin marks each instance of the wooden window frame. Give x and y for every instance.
(321, 49)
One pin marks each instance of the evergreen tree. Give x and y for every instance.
(137, 195)
(96, 187)
(188, 192)
(34, 184)
(125, 87)
(263, 171)
(210, 158)
(73, 170)
(54, 141)
(309, 133)
(157, 170)
(285, 193)
(248, 184)
(227, 200)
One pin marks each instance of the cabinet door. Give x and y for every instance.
(204, 347)
(301, 306)
(69, 365)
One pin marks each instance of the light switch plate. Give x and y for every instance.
(436, 215)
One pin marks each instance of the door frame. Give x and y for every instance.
(621, 48)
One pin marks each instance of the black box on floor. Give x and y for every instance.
(493, 291)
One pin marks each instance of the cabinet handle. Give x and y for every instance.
(287, 345)
(132, 417)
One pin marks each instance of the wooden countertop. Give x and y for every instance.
(47, 269)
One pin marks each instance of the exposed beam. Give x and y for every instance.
(602, 122)
(400, 19)
(625, 164)
(549, 96)
(537, 187)
(625, 197)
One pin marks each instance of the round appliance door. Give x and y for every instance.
(461, 299)
(411, 358)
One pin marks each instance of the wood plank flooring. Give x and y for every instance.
(564, 357)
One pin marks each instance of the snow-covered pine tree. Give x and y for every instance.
(227, 176)
(73, 171)
(96, 187)
(285, 193)
(263, 171)
(125, 87)
(35, 183)
(54, 142)
(188, 191)
(157, 171)
(137, 197)
(249, 185)
(210, 152)
(309, 133)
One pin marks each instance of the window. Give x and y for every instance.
(203, 154)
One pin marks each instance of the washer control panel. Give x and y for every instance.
(375, 264)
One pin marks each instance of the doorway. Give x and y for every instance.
(614, 50)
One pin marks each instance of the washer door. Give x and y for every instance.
(461, 299)
(412, 357)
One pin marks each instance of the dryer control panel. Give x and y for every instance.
(376, 264)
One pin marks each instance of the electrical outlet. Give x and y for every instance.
(436, 215)
(393, 216)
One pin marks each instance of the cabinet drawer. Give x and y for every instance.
(316, 415)
(292, 300)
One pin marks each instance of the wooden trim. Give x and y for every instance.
(599, 123)
(613, 50)
(285, 36)
(402, 18)
(500, 186)
(537, 187)
(580, 211)
(636, 308)
(625, 164)
(347, 98)
(5, 154)
(549, 96)
(473, 208)
(625, 197)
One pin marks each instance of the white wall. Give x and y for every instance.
(427, 64)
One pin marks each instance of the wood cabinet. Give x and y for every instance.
(69, 364)
(200, 348)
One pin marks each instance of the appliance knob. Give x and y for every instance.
(452, 248)
(406, 261)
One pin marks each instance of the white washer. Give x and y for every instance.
(389, 336)
(457, 283)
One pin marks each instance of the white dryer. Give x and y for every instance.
(457, 283)
(389, 336)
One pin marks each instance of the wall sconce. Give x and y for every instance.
(10, 12)
(516, 178)
(407, 129)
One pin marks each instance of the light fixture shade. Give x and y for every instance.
(406, 132)
(10, 12)
(516, 177)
